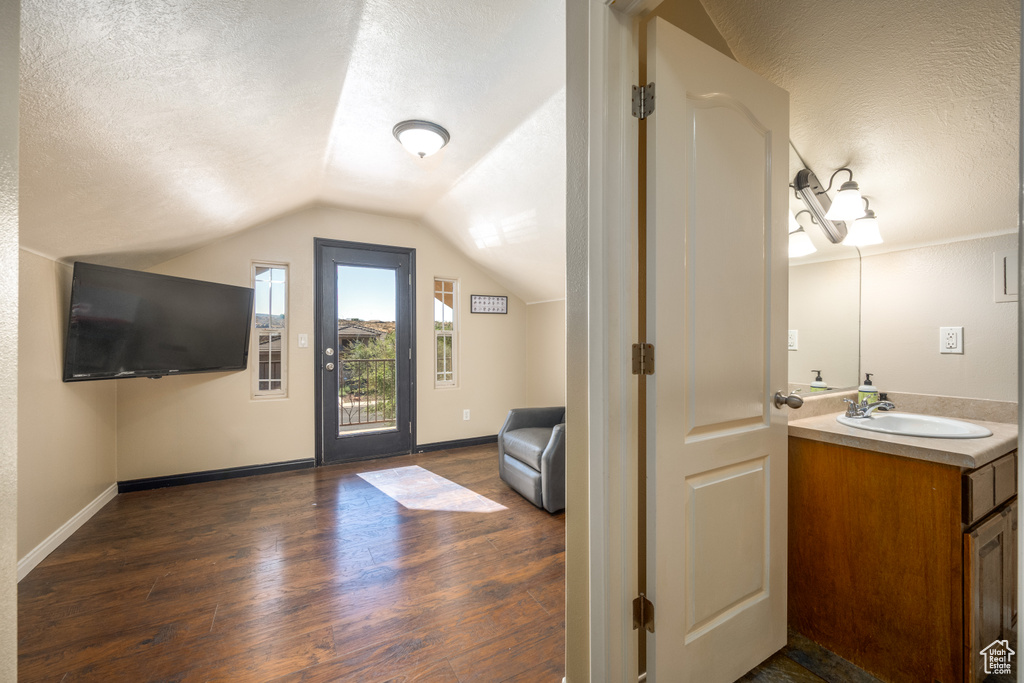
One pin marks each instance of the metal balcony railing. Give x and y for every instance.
(366, 395)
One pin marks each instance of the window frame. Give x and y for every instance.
(256, 392)
(453, 383)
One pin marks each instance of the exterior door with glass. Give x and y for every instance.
(365, 360)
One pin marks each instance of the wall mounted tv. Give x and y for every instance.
(126, 323)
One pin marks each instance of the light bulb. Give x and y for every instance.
(800, 244)
(864, 232)
(848, 204)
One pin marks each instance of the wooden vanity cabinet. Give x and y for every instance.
(904, 567)
(989, 583)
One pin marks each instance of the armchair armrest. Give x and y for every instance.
(552, 468)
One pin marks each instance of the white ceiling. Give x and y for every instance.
(148, 129)
(918, 97)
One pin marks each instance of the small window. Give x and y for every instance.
(270, 330)
(445, 338)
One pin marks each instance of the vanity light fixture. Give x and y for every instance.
(864, 230)
(794, 225)
(799, 241)
(847, 206)
(809, 189)
(421, 138)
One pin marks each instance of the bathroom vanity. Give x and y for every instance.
(902, 550)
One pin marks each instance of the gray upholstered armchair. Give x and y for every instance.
(531, 455)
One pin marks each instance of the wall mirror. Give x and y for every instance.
(824, 307)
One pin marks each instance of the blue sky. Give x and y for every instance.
(366, 293)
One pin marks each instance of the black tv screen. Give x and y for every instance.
(126, 323)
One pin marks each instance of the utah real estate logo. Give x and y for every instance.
(997, 657)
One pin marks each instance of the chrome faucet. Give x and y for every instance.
(864, 409)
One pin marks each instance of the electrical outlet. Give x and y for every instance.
(792, 340)
(465, 414)
(951, 340)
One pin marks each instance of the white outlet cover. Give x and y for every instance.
(793, 336)
(465, 414)
(951, 340)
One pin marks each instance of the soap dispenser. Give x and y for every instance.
(818, 384)
(867, 391)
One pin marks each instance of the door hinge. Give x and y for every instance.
(643, 613)
(643, 359)
(643, 100)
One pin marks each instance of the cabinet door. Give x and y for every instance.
(987, 562)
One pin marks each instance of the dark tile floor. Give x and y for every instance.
(804, 661)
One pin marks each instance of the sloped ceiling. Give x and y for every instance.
(151, 128)
(918, 97)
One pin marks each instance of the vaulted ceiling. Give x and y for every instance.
(149, 129)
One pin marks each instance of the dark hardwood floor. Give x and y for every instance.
(312, 575)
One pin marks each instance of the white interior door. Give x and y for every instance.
(717, 161)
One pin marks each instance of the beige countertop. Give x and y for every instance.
(964, 453)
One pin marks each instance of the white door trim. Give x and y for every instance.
(601, 310)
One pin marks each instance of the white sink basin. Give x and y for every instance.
(909, 424)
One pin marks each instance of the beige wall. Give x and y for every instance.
(909, 294)
(9, 26)
(546, 353)
(202, 422)
(824, 307)
(66, 432)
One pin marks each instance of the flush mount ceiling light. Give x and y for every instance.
(847, 206)
(799, 241)
(809, 189)
(421, 138)
(864, 230)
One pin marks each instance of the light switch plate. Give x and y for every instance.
(303, 341)
(951, 340)
(793, 334)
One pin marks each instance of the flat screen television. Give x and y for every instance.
(126, 323)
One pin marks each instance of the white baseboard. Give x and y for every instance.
(39, 553)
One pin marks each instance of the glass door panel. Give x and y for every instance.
(368, 380)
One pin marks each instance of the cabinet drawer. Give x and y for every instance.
(1005, 478)
(988, 487)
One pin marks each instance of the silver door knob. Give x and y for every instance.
(793, 401)
(329, 367)
(329, 351)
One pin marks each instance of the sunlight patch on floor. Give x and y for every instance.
(420, 489)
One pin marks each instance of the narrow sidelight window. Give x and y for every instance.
(445, 337)
(270, 372)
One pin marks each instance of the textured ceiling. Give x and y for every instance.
(918, 97)
(148, 129)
